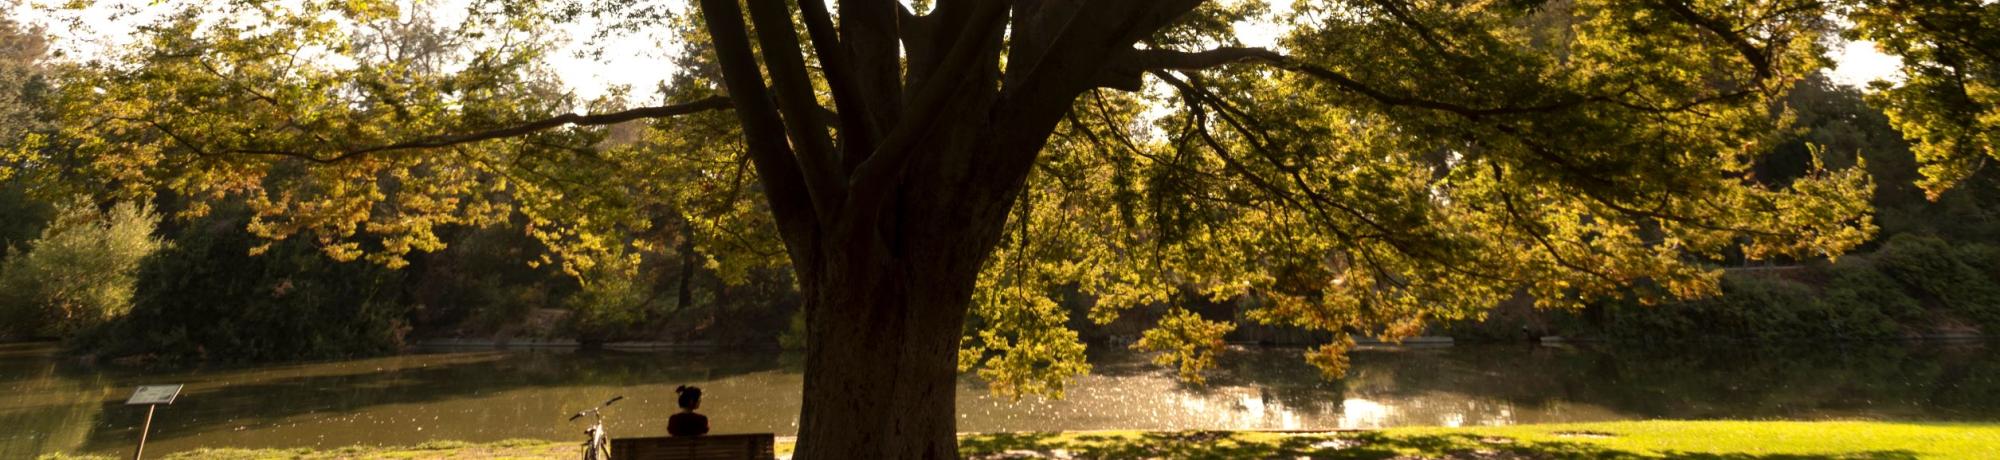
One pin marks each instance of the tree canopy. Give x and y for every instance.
(957, 165)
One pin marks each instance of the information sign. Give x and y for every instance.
(154, 394)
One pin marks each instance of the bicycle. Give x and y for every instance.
(598, 447)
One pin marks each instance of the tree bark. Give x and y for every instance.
(883, 385)
(886, 305)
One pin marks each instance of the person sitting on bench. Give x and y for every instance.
(686, 422)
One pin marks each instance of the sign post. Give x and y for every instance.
(152, 396)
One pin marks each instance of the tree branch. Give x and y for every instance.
(1036, 24)
(1164, 59)
(567, 119)
(873, 177)
(870, 33)
(1423, 32)
(1125, 69)
(1034, 99)
(792, 204)
(1223, 56)
(1147, 60)
(857, 130)
(1758, 61)
(797, 102)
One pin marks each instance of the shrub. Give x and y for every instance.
(1982, 257)
(1858, 282)
(612, 305)
(80, 273)
(1859, 301)
(1754, 308)
(1937, 274)
(1910, 282)
(1764, 308)
(794, 337)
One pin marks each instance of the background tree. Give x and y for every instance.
(1836, 125)
(207, 297)
(23, 127)
(1946, 102)
(80, 273)
(1388, 163)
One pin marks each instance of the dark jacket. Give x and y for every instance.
(687, 424)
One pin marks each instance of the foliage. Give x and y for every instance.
(23, 86)
(1185, 338)
(1858, 286)
(1982, 256)
(80, 273)
(1834, 127)
(609, 305)
(1461, 155)
(25, 216)
(1947, 103)
(480, 284)
(23, 129)
(1764, 308)
(1934, 272)
(405, 74)
(1396, 165)
(610, 207)
(208, 297)
(1913, 284)
(1607, 440)
(1837, 126)
(1385, 166)
(794, 336)
(1018, 338)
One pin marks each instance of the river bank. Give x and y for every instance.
(1611, 440)
(54, 404)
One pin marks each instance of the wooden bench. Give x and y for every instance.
(713, 447)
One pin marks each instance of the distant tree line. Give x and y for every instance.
(1933, 269)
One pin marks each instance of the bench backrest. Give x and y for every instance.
(716, 447)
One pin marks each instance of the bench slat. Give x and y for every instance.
(718, 447)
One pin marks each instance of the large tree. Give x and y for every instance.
(937, 170)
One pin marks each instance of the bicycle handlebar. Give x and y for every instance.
(606, 404)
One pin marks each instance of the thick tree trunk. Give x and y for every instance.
(887, 233)
(884, 387)
(884, 318)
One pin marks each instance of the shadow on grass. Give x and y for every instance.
(1206, 445)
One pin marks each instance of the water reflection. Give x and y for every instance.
(50, 406)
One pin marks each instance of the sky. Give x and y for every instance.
(635, 62)
(1858, 63)
(640, 62)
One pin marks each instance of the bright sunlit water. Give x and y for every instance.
(49, 404)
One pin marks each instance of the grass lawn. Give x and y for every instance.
(1715, 440)
(1718, 440)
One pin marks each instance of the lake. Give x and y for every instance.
(50, 404)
